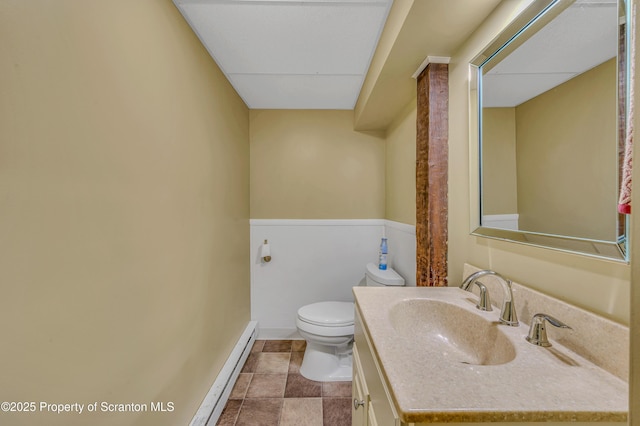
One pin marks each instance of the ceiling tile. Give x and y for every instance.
(581, 37)
(297, 91)
(254, 39)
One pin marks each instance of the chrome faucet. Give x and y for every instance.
(508, 312)
(538, 331)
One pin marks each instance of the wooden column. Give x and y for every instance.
(432, 158)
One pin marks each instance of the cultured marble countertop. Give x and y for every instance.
(539, 384)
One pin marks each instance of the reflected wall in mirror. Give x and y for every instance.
(548, 109)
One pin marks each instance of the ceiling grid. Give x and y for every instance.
(283, 54)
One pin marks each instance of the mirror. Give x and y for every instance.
(548, 122)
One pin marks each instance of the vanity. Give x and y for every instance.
(425, 355)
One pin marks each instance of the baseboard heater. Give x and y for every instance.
(218, 395)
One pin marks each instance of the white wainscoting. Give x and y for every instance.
(402, 249)
(501, 221)
(317, 260)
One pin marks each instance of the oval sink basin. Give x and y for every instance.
(452, 332)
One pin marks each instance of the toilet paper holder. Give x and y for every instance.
(265, 252)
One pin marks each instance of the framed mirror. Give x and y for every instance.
(548, 101)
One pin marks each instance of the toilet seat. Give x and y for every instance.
(328, 314)
(327, 319)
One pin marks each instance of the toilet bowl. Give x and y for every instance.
(328, 329)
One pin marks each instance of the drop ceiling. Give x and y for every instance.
(290, 54)
(285, 54)
(581, 37)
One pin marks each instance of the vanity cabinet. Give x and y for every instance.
(372, 404)
(360, 394)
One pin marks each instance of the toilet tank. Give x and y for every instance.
(376, 277)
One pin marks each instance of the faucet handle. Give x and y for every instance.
(538, 332)
(508, 314)
(484, 302)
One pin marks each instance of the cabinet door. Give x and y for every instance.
(380, 408)
(371, 416)
(359, 393)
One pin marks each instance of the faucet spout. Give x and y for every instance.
(508, 314)
(468, 282)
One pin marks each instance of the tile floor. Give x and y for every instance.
(271, 392)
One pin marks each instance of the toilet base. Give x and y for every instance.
(324, 363)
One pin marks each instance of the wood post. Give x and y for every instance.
(432, 160)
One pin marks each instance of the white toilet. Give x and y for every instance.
(328, 329)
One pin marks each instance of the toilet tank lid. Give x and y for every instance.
(331, 314)
(387, 276)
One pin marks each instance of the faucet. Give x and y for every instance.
(538, 332)
(484, 302)
(508, 312)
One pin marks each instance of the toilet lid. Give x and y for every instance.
(330, 314)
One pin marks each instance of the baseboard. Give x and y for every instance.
(216, 399)
(279, 334)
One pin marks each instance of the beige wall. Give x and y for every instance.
(600, 286)
(499, 184)
(124, 184)
(313, 165)
(567, 157)
(400, 172)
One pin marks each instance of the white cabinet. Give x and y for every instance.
(372, 404)
(360, 394)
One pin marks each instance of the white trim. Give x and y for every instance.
(430, 60)
(510, 216)
(218, 394)
(334, 222)
(279, 334)
(316, 222)
(501, 221)
(404, 227)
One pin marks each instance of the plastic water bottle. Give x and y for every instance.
(382, 258)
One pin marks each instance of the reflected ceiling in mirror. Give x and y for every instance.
(548, 109)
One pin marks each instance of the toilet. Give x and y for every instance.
(328, 329)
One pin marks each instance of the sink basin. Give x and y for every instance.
(451, 332)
